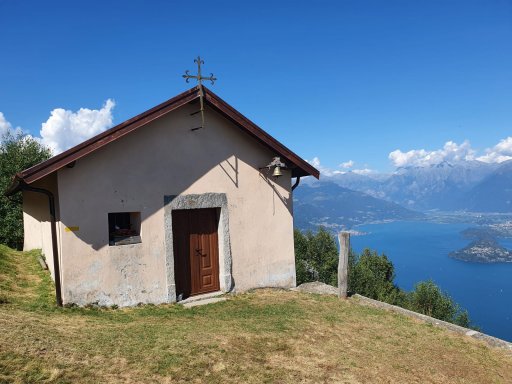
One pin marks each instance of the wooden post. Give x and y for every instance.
(344, 239)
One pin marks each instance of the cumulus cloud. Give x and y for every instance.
(364, 171)
(6, 127)
(65, 128)
(325, 171)
(499, 153)
(451, 152)
(347, 164)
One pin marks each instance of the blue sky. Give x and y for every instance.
(337, 80)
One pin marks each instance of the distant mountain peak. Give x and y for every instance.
(443, 164)
(448, 185)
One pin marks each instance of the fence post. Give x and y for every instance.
(344, 239)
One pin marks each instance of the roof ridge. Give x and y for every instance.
(38, 171)
(61, 156)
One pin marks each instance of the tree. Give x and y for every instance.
(429, 299)
(316, 257)
(17, 152)
(373, 276)
(303, 273)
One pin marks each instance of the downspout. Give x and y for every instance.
(296, 184)
(56, 268)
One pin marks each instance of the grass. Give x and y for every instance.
(265, 336)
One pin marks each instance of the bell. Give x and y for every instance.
(277, 172)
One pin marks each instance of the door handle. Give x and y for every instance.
(198, 252)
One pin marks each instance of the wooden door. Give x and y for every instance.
(196, 251)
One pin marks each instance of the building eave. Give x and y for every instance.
(298, 166)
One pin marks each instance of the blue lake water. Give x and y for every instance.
(419, 251)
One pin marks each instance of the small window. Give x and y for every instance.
(123, 228)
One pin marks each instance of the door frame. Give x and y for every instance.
(195, 201)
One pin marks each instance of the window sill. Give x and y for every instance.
(125, 240)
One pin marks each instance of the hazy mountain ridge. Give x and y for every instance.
(466, 185)
(493, 193)
(336, 207)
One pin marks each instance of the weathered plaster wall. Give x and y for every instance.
(36, 220)
(35, 213)
(166, 158)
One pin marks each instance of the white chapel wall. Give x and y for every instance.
(36, 220)
(134, 173)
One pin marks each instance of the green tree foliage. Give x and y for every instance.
(371, 275)
(17, 152)
(429, 299)
(316, 257)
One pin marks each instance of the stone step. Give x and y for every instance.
(201, 297)
(203, 302)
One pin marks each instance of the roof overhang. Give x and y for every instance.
(298, 166)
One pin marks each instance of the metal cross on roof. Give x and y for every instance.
(198, 77)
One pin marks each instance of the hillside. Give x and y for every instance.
(263, 336)
(462, 185)
(336, 207)
(494, 193)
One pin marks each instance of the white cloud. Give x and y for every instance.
(499, 153)
(347, 164)
(365, 171)
(65, 128)
(451, 152)
(6, 127)
(325, 171)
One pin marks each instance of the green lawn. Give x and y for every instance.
(269, 336)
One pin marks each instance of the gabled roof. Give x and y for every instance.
(299, 166)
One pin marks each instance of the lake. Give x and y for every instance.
(419, 251)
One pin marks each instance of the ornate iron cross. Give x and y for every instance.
(199, 79)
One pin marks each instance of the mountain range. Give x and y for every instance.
(329, 205)
(352, 198)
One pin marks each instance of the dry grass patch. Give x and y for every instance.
(268, 336)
